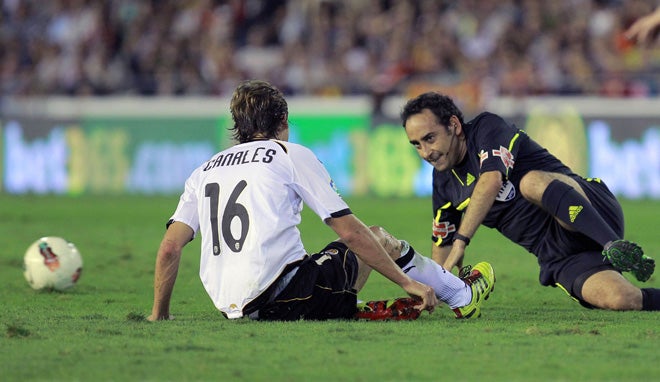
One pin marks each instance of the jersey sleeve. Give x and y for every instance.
(313, 183)
(497, 144)
(446, 217)
(186, 211)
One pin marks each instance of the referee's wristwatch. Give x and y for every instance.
(465, 239)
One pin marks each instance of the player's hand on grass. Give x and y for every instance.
(154, 317)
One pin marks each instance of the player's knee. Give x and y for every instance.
(377, 230)
(389, 242)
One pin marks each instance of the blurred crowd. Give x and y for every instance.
(324, 47)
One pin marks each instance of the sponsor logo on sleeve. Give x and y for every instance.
(442, 229)
(506, 156)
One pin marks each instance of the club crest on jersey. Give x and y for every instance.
(442, 229)
(507, 192)
(506, 156)
(330, 251)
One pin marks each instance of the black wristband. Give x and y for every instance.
(458, 236)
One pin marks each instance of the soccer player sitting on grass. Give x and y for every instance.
(246, 203)
(489, 172)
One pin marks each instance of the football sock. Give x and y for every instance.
(564, 202)
(448, 287)
(650, 299)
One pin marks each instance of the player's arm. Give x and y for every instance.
(644, 30)
(359, 238)
(482, 199)
(167, 266)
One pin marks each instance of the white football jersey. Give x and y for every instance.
(246, 203)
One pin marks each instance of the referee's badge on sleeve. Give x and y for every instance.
(507, 192)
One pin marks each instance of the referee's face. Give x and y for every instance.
(434, 142)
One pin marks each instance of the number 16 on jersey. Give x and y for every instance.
(231, 210)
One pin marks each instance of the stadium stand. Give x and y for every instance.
(323, 47)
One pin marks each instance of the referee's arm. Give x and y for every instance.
(481, 201)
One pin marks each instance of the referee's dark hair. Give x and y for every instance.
(440, 105)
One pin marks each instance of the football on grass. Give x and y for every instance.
(52, 263)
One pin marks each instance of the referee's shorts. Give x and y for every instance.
(566, 258)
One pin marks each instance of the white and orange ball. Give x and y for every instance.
(52, 263)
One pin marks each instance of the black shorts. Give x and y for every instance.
(568, 258)
(571, 272)
(321, 289)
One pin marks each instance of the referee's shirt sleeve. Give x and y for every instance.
(446, 218)
(497, 144)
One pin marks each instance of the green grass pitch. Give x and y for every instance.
(97, 331)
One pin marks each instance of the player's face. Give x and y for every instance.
(434, 142)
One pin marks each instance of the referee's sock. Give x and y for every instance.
(567, 204)
(448, 287)
(650, 299)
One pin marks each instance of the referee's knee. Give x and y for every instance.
(620, 299)
(610, 290)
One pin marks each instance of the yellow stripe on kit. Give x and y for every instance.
(444, 207)
(463, 205)
(558, 285)
(439, 212)
(457, 177)
(515, 138)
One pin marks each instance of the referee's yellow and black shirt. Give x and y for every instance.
(494, 145)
